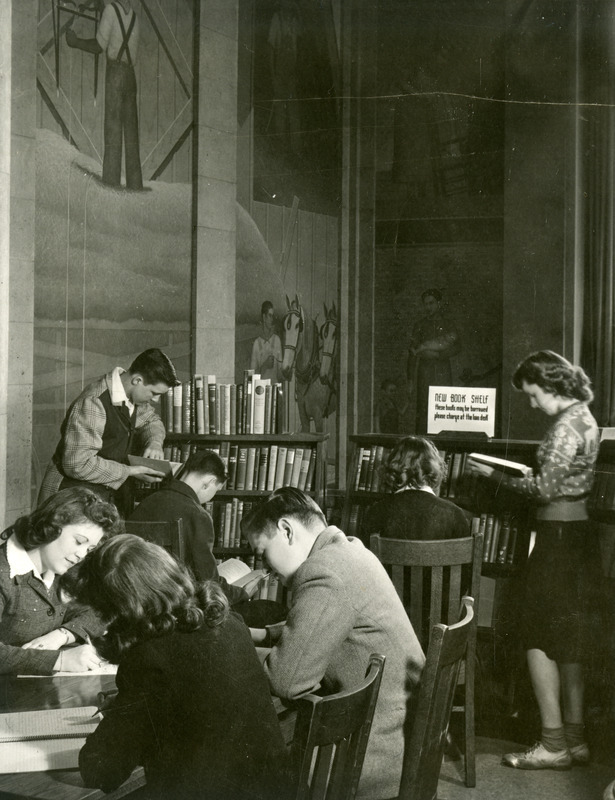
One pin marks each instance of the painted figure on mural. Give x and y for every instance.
(118, 37)
(434, 340)
(266, 358)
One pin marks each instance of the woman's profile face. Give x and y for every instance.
(71, 546)
(547, 402)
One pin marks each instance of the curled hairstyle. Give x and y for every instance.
(553, 374)
(143, 592)
(67, 507)
(284, 502)
(413, 462)
(154, 366)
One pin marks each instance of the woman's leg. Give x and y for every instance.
(545, 675)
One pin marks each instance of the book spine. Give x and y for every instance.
(258, 400)
(309, 484)
(219, 408)
(279, 473)
(211, 401)
(239, 411)
(294, 478)
(242, 459)
(493, 550)
(177, 408)
(262, 469)
(232, 466)
(268, 391)
(233, 410)
(226, 394)
(303, 471)
(250, 461)
(370, 468)
(288, 468)
(512, 544)
(273, 424)
(234, 523)
(504, 539)
(271, 472)
(364, 468)
(228, 519)
(187, 407)
(357, 479)
(199, 404)
(281, 415)
(375, 481)
(489, 523)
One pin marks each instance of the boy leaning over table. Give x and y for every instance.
(343, 608)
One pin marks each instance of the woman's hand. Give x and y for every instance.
(78, 659)
(53, 640)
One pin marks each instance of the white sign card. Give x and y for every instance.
(461, 409)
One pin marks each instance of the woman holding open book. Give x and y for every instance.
(562, 572)
(193, 705)
(36, 622)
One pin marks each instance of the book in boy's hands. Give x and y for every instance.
(514, 468)
(168, 468)
(237, 572)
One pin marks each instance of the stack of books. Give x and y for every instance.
(203, 406)
(500, 534)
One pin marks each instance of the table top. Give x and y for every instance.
(36, 693)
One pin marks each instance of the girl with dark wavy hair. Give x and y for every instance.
(562, 574)
(193, 705)
(36, 622)
(413, 473)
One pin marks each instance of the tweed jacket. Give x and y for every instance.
(27, 610)
(195, 710)
(85, 426)
(344, 607)
(176, 499)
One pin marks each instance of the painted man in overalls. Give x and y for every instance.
(118, 37)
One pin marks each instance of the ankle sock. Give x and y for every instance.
(575, 733)
(553, 739)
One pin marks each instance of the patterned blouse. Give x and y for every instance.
(566, 460)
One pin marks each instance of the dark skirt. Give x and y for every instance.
(562, 592)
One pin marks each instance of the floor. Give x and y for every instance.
(495, 782)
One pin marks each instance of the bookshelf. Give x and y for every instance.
(502, 515)
(257, 464)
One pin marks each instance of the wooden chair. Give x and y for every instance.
(331, 736)
(425, 747)
(168, 534)
(435, 573)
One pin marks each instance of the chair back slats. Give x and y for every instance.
(330, 739)
(430, 577)
(167, 534)
(425, 746)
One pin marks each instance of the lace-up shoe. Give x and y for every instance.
(580, 754)
(538, 757)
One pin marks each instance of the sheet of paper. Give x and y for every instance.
(104, 669)
(40, 756)
(48, 724)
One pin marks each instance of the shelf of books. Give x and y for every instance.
(499, 514)
(246, 425)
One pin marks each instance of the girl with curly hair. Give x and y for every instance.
(193, 705)
(36, 622)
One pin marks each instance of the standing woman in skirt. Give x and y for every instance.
(562, 572)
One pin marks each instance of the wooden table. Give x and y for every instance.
(32, 694)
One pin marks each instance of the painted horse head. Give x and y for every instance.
(328, 336)
(293, 325)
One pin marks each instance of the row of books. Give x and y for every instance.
(455, 482)
(258, 468)
(227, 516)
(202, 406)
(501, 533)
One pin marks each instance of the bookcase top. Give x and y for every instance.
(255, 438)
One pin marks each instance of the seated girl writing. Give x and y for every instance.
(36, 622)
(193, 704)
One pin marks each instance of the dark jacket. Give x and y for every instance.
(417, 515)
(195, 710)
(176, 499)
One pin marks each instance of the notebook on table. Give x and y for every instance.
(36, 741)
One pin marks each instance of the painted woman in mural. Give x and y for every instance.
(118, 37)
(266, 357)
(433, 341)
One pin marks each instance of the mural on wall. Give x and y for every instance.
(309, 352)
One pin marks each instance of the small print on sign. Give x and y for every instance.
(461, 409)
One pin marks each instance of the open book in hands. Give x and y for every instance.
(237, 572)
(514, 468)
